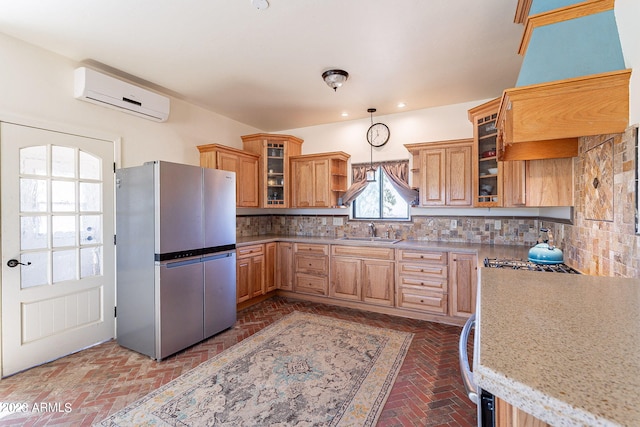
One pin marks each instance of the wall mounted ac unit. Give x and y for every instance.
(93, 86)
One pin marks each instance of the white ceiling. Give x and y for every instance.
(263, 67)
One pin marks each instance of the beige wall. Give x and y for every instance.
(432, 124)
(37, 86)
(627, 13)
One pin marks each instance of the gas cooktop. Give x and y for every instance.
(518, 264)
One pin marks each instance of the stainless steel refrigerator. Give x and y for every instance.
(175, 255)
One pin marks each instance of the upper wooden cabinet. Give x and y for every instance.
(273, 176)
(243, 163)
(443, 171)
(538, 183)
(487, 175)
(318, 179)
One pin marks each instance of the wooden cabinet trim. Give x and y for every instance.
(566, 13)
(311, 248)
(362, 252)
(423, 256)
(308, 283)
(246, 251)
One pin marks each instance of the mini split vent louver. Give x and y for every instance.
(95, 87)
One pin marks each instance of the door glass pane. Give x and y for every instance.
(64, 230)
(33, 160)
(90, 229)
(63, 196)
(36, 273)
(90, 261)
(63, 162)
(33, 195)
(64, 265)
(90, 166)
(33, 232)
(90, 197)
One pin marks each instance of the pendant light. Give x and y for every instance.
(371, 172)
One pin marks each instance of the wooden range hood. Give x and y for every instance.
(545, 120)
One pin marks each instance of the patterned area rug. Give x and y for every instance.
(304, 370)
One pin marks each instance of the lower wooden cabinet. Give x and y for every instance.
(413, 282)
(270, 259)
(422, 281)
(463, 283)
(363, 274)
(250, 272)
(507, 415)
(284, 266)
(311, 266)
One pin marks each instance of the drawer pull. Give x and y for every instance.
(421, 283)
(421, 300)
(421, 256)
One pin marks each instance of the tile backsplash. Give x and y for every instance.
(491, 230)
(604, 247)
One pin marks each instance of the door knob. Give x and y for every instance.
(14, 263)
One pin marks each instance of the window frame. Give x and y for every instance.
(379, 182)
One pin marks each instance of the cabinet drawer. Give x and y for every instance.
(312, 263)
(426, 269)
(426, 283)
(431, 301)
(363, 252)
(311, 248)
(310, 284)
(249, 250)
(412, 255)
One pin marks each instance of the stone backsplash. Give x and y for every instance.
(491, 230)
(597, 246)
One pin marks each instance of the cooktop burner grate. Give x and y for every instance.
(518, 264)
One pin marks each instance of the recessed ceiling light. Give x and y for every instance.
(260, 4)
(401, 105)
(345, 114)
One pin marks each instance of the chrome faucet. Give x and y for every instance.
(372, 229)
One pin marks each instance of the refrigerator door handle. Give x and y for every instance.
(182, 262)
(465, 369)
(217, 256)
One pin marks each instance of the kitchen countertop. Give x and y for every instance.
(482, 250)
(561, 347)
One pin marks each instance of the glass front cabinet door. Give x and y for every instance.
(274, 176)
(487, 185)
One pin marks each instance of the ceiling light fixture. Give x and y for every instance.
(401, 105)
(335, 78)
(260, 4)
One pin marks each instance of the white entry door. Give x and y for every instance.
(58, 279)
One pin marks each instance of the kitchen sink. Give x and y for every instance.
(370, 239)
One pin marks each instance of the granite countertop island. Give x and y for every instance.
(562, 347)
